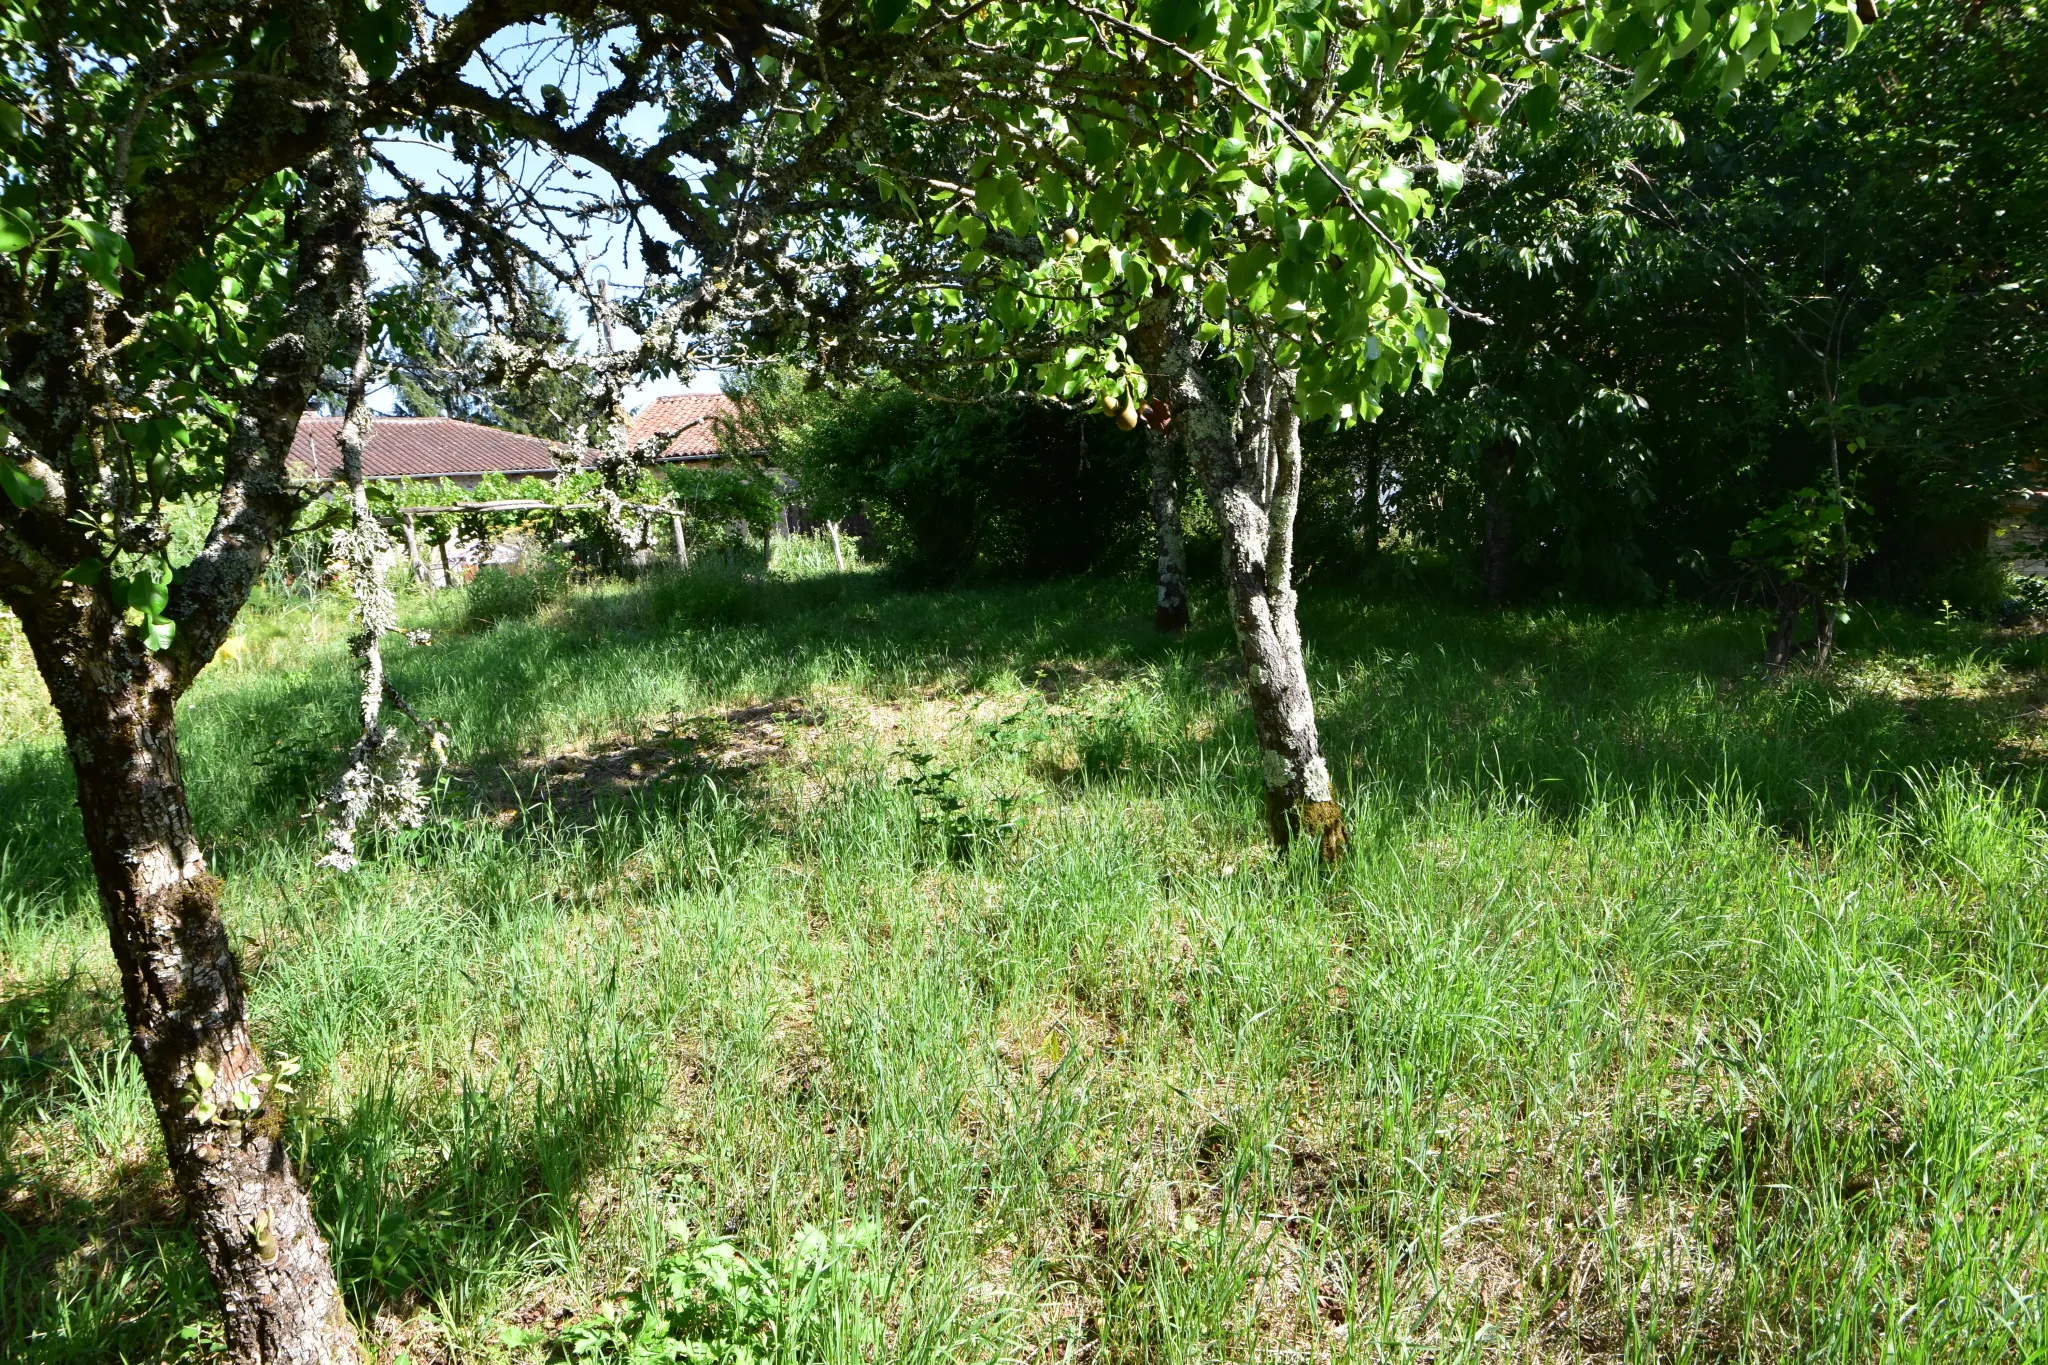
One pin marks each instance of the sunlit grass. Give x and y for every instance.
(1661, 1010)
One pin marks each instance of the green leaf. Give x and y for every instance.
(377, 34)
(145, 592)
(1319, 190)
(17, 233)
(1539, 107)
(157, 636)
(1246, 267)
(1691, 29)
(20, 489)
(1358, 73)
(1176, 20)
(1794, 23)
(1297, 279)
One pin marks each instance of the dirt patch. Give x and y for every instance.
(575, 783)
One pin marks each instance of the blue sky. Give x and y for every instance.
(529, 58)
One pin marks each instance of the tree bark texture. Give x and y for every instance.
(1251, 470)
(412, 552)
(1165, 449)
(181, 987)
(219, 1106)
(1784, 639)
(1371, 480)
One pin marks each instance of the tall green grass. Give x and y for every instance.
(1661, 1011)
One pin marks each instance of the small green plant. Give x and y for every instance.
(945, 811)
(709, 1303)
(2026, 596)
(515, 594)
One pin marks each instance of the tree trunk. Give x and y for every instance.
(838, 555)
(675, 524)
(1253, 482)
(1371, 481)
(220, 1109)
(447, 569)
(1500, 528)
(1172, 613)
(1791, 601)
(221, 1113)
(1827, 609)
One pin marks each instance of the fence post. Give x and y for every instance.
(412, 552)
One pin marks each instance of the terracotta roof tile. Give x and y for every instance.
(691, 416)
(421, 448)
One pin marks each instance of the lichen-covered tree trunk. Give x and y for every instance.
(1250, 467)
(216, 1100)
(1165, 449)
(218, 1104)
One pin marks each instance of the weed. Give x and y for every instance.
(707, 1301)
(964, 828)
(498, 594)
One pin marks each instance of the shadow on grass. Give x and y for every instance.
(423, 1199)
(1563, 707)
(444, 1203)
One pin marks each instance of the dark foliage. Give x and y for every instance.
(1000, 489)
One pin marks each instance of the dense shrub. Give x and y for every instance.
(995, 488)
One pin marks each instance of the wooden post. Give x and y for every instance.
(838, 555)
(675, 523)
(447, 569)
(412, 552)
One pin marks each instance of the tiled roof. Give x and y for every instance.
(676, 412)
(420, 448)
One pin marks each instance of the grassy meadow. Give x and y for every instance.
(797, 966)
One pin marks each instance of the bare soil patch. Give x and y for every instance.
(575, 783)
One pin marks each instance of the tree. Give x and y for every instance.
(183, 233)
(520, 373)
(1701, 316)
(1211, 209)
(1527, 461)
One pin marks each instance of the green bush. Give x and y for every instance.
(498, 594)
(994, 488)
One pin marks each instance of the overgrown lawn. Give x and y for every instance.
(855, 975)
